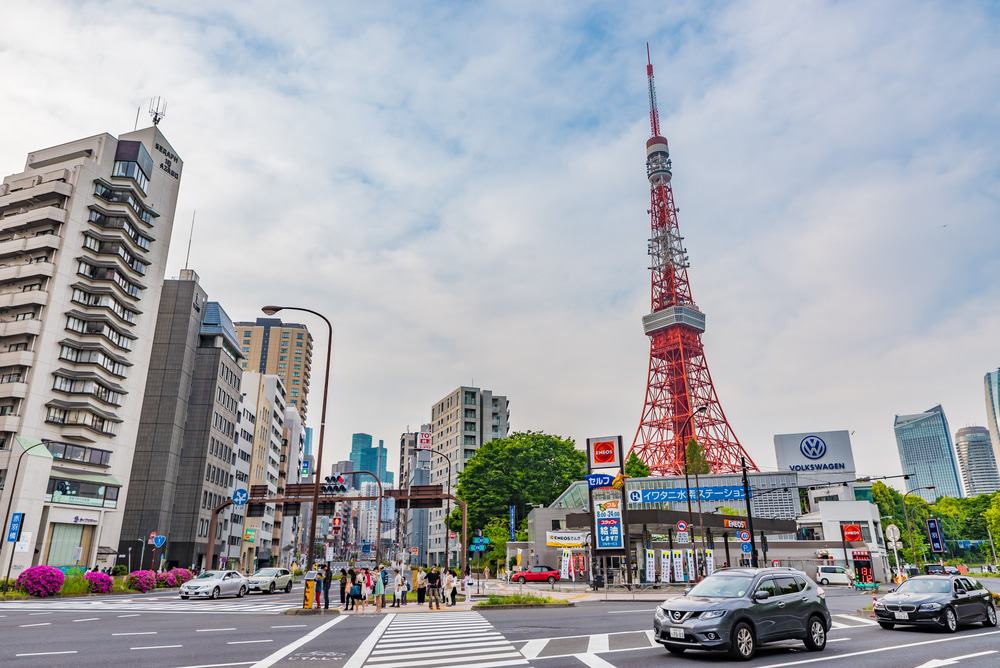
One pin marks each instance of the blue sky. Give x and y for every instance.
(461, 187)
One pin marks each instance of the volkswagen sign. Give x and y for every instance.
(816, 452)
(813, 447)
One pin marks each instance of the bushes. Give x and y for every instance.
(141, 581)
(166, 579)
(41, 581)
(74, 583)
(100, 583)
(182, 575)
(119, 569)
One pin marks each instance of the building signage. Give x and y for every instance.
(675, 494)
(823, 451)
(599, 480)
(424, 439)
(14, 528)
(608, 525)
(565, 538)
(664, 565)
(249, 535)
(650, 566)
(79, 519)
(936, 534)
(604, 452)
(734, 524)
(709, 561)
(678, 558)
(852, 533)
(564, 567)
(512, 521)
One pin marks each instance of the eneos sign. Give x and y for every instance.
(852, 533)
(604, 452)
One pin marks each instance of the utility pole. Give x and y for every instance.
(746, 493)
(992, 546)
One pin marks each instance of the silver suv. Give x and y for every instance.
(736, 609)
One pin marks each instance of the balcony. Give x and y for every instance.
(39, 193)
(21, 270)
(14, 390)
(10, 423)
(27, 244)
(39, 297)
(32, 218)
(17, 358)
(20, 327)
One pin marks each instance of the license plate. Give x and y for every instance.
(677, 633)
(902, 615)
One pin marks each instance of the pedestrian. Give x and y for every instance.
(353, 589)
(468, 582)
(327, 581)
(318, 586)
(421, 587)
(434, 589)
(451, 589)
(378, 592)
(365, 582)
(398, 588)
(343, 588)
(384, 576)
(486, 573)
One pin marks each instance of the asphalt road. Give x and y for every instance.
(159, 629)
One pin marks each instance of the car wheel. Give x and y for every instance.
(949, 621)
(824, 582)
(288, 587)
(888, 626)
(521, 580)
(184, 597)
(742, 645)
(242, 592)
(215, 593)
(270, 590)
(815, 639)
(676, 650)
(551, 579)
(991, 616)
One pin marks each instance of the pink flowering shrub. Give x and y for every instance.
(100, 583)
(41, 580)
(142, 581)
(182, 575)
(166, 579)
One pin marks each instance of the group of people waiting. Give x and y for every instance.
(363, 586)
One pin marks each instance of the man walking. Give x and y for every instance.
(434, 588)
(327, 581)
(398, 588)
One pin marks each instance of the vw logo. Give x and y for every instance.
(813, 447)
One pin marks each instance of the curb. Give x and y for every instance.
(521, 606)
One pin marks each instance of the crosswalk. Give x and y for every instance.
(446, 639)
(235, 606)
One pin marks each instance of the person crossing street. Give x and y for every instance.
(434, 589)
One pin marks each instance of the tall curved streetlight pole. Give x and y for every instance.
(909, 529)
(271, 310)
(10, 502)
(447, 514)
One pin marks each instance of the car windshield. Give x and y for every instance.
(722, 586)
(210, 575)
(917, 586)
(267, 572)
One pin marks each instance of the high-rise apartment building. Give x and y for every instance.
(185, 455)
(413, 524)
(266, 393)
(287, 528)
(283, 349)
(462, 421)
(246, 421)
(992, 386)
(976, 461)
(84, 234)
(926, 453)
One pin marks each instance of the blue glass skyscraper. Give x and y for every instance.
(992, 382)
(926, 453)
(367, 457)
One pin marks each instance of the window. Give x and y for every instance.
(121, 223)
(80, 493)
(15, 347)
(78, 453)
(92, 356)
(768, 585)
(787, 585)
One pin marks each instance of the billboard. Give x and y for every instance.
(815, 452)
(608, 525)
(604, 452)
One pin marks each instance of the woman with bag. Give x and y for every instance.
(378, 591)
(365, 582)
(398, 588)
(354, 591)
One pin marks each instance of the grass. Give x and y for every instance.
(521, 599)
(75, 584)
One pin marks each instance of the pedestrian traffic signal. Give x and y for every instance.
(333, 485)
(336, 525)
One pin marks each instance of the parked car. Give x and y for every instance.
(946, 601)
(934, 569)
(834, 575)
(269, 580)
(735, 610)
(535, 574)
(214, 584)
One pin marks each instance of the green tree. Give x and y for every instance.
(635, 467)
(696, 462)
(523, 468)
(498, 531)
(729, 510)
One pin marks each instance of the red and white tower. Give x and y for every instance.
(680, 399)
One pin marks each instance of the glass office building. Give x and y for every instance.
(992, 382)
(926, 453)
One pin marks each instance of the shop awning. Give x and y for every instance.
(80, 476)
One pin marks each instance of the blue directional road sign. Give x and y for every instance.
(159, 540)
(936, 534)
(240, 497)
(14, 530)
(745, 547)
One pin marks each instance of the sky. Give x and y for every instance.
(461, 188)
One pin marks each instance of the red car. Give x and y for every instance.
(535, 574)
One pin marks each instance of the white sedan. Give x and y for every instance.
(213, 584)
(270, 580)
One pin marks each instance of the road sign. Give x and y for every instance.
(240, 497)
(152, 535)
(936, 534)
(14, 530)
(746, 548)
(682, 537)
(743, 535)
(892, 532)
(249, 535)
(852, 533)
(159, 540)
(682, 526)
(895, 545)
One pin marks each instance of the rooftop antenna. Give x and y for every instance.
(157, 109)
(138, 109)
(187, 257)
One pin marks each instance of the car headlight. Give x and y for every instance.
(879, 605)
(930, 606)
(712, 614)
(660, 614)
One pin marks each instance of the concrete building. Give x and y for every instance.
(184, 455)
(367, 457)
(283, 349)
(246, 420)
(267, 393)
(287, 528)
(976, 461)
(413, 524)
(84, 234)
(926, 453)
(992, 387)
(461, 422)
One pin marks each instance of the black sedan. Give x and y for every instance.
(944, 601)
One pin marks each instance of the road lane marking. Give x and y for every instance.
(417, 652)
(135, 615)
(598, 643)
(157, 647)
(830, 640)
(880, 649)
(220, 665)
(281, 653)
(24, 626)
(289, 626)
(136, 633)
(839, 625)
(593, 661)
(87, 619)
(532, 648)
(246, 642)
(861, 620)
(435, 648)
(72, 651)
(630, 612)
(367, 645)
(231, 628)
(32, 614)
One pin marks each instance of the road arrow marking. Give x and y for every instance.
(937, 663)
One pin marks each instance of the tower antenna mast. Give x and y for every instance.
(157, 109)
(654, 114)
(187, 257)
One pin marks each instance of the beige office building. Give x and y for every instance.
(281, 348)
(461, 421)
(84, 234)
(266, 393)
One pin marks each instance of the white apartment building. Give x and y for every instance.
(84, 234)
(267, 393)
(246, 425)
(462, 421)
(287, 534)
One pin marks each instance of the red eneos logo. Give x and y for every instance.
(604, 452)
(852, 533)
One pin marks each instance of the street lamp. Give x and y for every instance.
(909, 529)
(447, 531)
(687, 479)
(10, 501)
(271, 310)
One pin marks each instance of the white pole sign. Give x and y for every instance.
(678, 566)
(650, 566)
(664, 565)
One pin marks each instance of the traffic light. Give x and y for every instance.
(333, 485)
(336, 525)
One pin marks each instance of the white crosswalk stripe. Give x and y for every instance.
(237, 606)
(446, 639)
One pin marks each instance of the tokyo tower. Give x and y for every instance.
(681, 403)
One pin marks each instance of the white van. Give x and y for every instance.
(834, 575)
